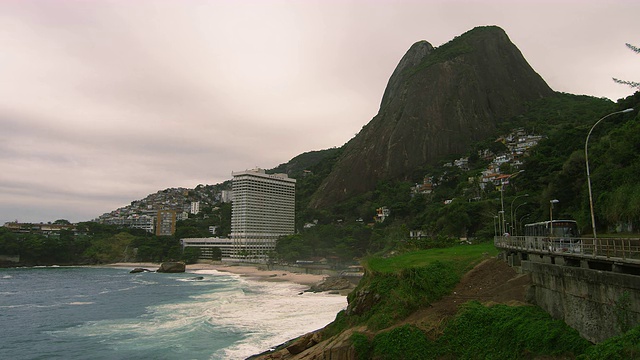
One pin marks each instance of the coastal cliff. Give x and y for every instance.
(492, 281)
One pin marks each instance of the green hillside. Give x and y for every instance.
(554, 169)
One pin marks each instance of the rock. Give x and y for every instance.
(139, 270)
(303, 343)
(172, 267)
(331, 284)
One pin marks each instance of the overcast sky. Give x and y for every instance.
(105, 102)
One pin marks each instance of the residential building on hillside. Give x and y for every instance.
(262, 210)
(166, 222)
(195, 207)
(226, 196)
(44, 229)
(144, 222)
(382, 214)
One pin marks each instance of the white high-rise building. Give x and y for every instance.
(195, 207)
(263, 209)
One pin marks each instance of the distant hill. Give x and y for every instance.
(438, 102)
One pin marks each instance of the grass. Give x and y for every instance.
(623, 347)
(395, 287)
(404, 283)
(463, 257)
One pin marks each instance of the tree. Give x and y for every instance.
(633, 84)
(190, 255)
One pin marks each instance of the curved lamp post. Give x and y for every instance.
(512, 216)
(586, 160)
(522, 218)
(515, 218)
(504, 220)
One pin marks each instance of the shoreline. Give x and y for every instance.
(249, 271)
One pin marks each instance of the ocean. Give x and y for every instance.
(108, 313)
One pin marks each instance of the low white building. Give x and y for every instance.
(206, 244)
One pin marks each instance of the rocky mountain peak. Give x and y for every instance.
(437, 102)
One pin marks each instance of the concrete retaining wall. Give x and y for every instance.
(598, 304)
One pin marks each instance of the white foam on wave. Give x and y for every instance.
(272, 313)
(256, 315)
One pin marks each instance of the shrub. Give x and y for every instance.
(505, 332)
(402, 343)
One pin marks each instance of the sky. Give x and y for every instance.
(105, 102)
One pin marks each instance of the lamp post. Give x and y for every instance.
(515, 213)
(522, 218)
(504, 220)
(513, 201)
(502, 207)
(586, 160)
(502, 230)
(551, 202)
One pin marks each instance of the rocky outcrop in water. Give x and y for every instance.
(138, 270)
(172, 267)
(333, 283)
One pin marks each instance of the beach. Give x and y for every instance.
(253, 272)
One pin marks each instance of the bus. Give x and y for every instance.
(556, 235)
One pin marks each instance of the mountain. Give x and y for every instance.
(297, 166)
(437, 102)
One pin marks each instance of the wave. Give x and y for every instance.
(235, 319)
(199, 278)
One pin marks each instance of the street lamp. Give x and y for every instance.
(586, 160)
(551, 202)
(515, 218)
(514, 200)
(504, 220)
(522, 218)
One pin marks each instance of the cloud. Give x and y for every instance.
(104, 102)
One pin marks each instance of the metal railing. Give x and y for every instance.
(616, 249)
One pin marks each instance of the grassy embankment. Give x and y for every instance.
(395, 287)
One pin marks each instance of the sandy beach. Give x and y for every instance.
(249, 271)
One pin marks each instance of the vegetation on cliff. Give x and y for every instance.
(394, 287)
(479, 332)
(395, 313)
(426, 305)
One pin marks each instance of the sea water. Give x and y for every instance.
(108, 313)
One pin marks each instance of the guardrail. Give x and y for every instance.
(616, 249)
